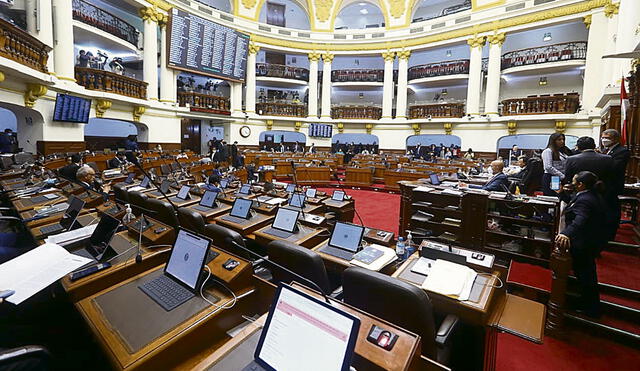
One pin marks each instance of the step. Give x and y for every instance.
(621, 331)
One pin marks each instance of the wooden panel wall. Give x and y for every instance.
(49, 147)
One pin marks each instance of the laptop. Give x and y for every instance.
(68, 221)
(144, 184)
(207, 202)
(345, 240)
(129, 179)
(311, 192)
(245, 189)
(296, 320)
(240, 211)
(181, 278)
(290, 188)
(338, 196)
(183, 194)
(98, 244)
(297, 200)
(284, 224)
(164, 188)
(435, 179)
(224, 183)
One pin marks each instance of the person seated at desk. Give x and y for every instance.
(498, 182)
(119, 160)
(214, 183)
(399, 167)
(69, 171)
(87, 178)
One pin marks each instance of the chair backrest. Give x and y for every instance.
(301, 260)
(222, 237)
(398, 302)
(191, 220)
(138, 199)
(164, 212)
(121, 193)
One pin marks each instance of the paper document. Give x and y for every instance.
(66, 238)
(33, 271)
(275, 201)
(423, 189)
(450, 279)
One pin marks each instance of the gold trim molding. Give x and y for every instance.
(34, 91)
(448, 127)
(512, 127)
(102, 105)
(138, 111)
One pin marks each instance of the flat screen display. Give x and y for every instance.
(320, 130)
(286, 220)
(346, 236)
(241, 208)
(208, 199)
(297, 200)
(311, 192)
(71, 109)
(187, 258)
(202, 46)
(338, 196)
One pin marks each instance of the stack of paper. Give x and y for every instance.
(450, 279)
(67, 238)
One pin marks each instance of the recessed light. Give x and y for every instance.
(547, 37)
(543, 81)
(364, 11)
(362, 4)
(448, 53)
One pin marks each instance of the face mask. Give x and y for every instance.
(490, 170)
(606, 142)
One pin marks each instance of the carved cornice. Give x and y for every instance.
(448, 127)
(476, 41)
(512, 127)
(340, 127)
(297, 125)
(404, 54)
(561, 126)
(587, 21)
(138, 111)
(327, 57)
(249, 4)
(102, 105)
(161, 4)
(611, 9)
(497, 38)
(397, 8)
(389, 56)
(314, 57)
(323, 9)
(369, 128)
(152, 14)
(34, 91)
(253, 48)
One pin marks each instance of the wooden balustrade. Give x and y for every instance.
(282, 71)
(439, 69)
(356, 112)
(17, 45)
(544, 54)
(94, 79)
(281, 109)
(543, 104)
(204, 102)
(99, 18)
(357, 75)
(446, 110)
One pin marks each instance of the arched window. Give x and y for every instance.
(285, 13)
(429, 9)
(359, 15)
(107, 133)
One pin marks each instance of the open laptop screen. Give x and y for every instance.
(145, 182)
(187, 259)
(241, 208)
(129, 179)
(245, 189)
(101, 236)
(286, 219)
(184, 192)
(435, 179)
(72, 212)
(209, 198)
(296, 320)
(164, 186)
(224, 183)
(346, 236)
(297, 200)
(290, 188)
(338, 196)
(311, 192)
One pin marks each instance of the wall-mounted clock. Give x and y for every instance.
(245, 131)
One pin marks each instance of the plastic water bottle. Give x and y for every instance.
(128, 216)
(410, 249)
(400, 248)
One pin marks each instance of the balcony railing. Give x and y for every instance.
(466, 5)
(543, 104)
(439, 69)
(356, 112)
(96, 17)
(355, 75)
(204, 102)
(95, 79)
(282, 71)
(544, 54)
(282, 109)
(435, 110)
(19, 46)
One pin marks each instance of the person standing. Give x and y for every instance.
(553, 161)
(610, 139)
(589, 160)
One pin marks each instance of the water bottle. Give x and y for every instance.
(400, 248)
(128, 215)
(410, 249)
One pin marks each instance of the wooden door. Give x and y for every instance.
(190, 135)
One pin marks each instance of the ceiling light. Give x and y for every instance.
(364, 11)
(448, 53)
(547, 37)
(543, 81)
(362, 4)
(444, 92)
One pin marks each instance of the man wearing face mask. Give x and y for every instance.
(610, 139)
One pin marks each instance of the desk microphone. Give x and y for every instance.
(313, 284)
(175, 208)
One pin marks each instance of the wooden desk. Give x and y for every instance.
(167, 236)
(359, 176)
(344, 210)
(212, 213)
(265, 208)
(83, 220)
(313, 175)
(181, 203)
(23, 204)
(248, 226)
(370, 235)
(392, 177)
(306, 237)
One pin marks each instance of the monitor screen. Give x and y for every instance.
(296, 320)
(435, 179)
(297, 200)
(145, 182)
(241, 208)
(290, 188)
(129, 179)
(184, 192)
(245, 189)
(311, 192)
(187, 258)
(346, 236)
(71, 109)
(209, 198)
(164, 186)
(224, 183)
(286, 219)
(75, 206)
(338, 196)
(101, 236)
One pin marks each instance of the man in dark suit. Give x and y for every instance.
(119, 160)
(69, 171)
(588, 159)
(610, 139)
(499, 181)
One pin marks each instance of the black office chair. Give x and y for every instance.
(402, 304)
(164, 212)
(27, 357)
(302, 261)
(138, 202)
(120, 191)
(191, 220)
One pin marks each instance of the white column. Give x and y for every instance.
(594, 83)
(32, 19)
(312, 94)
(611, 68)
(250, 99)
(39, 24)
(236, 98)
(168, 93)
(150, 45)
(475, 71)
(628, 31)
(64, 58)
(492, 96)
(403, 72)
(327, 58)
(387, 89)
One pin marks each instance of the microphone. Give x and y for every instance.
(157, 187)
(313, 284)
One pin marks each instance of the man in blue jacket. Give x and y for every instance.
(498, 182)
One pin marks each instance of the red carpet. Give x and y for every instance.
(619, 269)
(530, 275)
(626, 234)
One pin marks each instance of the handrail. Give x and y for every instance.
(454, 67)
(19, 46)
(557, 104)
(436, 110)
(544, 54)
(204, 102)
(356, 112)
(358, 75)
(95, 79)
(282, 109)
(282, 71)
(94, 16)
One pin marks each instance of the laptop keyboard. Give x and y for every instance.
(340, 253)
(202, 208)
(253, 366)
(166, 292)
(278, 233)
(53, 228)
(234, 219)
